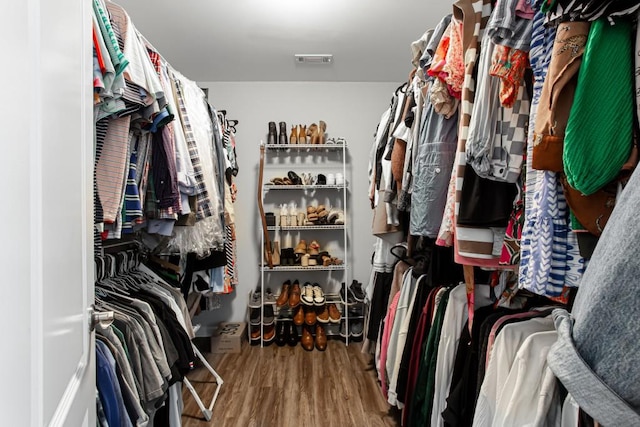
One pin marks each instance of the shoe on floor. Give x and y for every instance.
(356, 328)
(321, 338)
(307, 339)
(343, 329)
(292, 332)
(269, 333)
(282, 333)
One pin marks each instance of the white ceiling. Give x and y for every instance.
(255, 40)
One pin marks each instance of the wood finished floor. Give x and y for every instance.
(287, 386)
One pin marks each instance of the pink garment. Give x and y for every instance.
(454, 62)
(524, 9)
(384, 344)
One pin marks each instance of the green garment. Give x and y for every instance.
(117, 57)
(422, 402)
(600, 127)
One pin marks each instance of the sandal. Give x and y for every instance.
(286, 181)
(313, 248)
(277, 181)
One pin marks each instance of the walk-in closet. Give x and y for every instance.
(401, 214)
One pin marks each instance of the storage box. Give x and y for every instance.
(228, 337)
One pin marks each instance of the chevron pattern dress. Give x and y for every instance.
(550, 260)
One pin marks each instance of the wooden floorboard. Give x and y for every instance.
(289, 387)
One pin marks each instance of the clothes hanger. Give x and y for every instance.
(399, 251)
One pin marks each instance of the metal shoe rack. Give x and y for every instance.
(320, 158)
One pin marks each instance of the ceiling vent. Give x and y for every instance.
(313, 59)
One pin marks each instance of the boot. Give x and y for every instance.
(284, 294)
(312, 133)
(275, 253)
(294, 295)
(282, 137)
(307, 339)
(292, 332)
(321, 338)
(272, 137)
(302, 134)
(293, 139)
(322, 128)
(282, 336)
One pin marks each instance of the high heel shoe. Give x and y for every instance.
(293, 138)
(282, 137)
(272, 137)
(302, 134)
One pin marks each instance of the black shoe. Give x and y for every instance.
(272, 137)
(282, 137)
(268, 315)
(346, 296)
(254, 316)
(356, 290)
(295, 178)
(292, 338)
(282, 333)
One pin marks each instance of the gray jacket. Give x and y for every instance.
(596, 355)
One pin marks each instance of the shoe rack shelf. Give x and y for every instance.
(306, 227)
(339, 267)
(269, 187)
(286, 155)
(310, 147)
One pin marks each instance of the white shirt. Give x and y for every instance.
(503, 355)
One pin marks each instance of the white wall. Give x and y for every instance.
(351, 110)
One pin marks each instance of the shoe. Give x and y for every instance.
(339, 179)
(314, 248)
(321, 338)
(334, 313)
(282, 137)
(302, 134)
(298, 315)
(336, 217)
(331, 179)
(312, 133)
(346, 296)
(256, 299)
(254, 316)
(283, 298)
(293, 138)
(356, 328)
(294, 295)
(310, 316)
(304, 260)
(322, 315)
(307, 294)
(275, 253)
(356, 291)
(272, 137)
(294, 178)
(318, 295)
(307, 339)
(269, 333)
(301, 248)
(269, 316)
(269, 297)
(343, 329)
(255, 333)
(321, 180)
(292, 331)
(322, 128)
(281, 333)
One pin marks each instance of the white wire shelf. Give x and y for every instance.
(311, 147)
(300, 268)
(306, 227)
(270, 186)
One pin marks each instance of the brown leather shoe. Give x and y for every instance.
(334, 314)
(323, 314)
(310, 316)
(283, 298)
(298, 316)
(321, 338)
(294, 295)
(269, 332)
(255, 332)
(307, 339)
